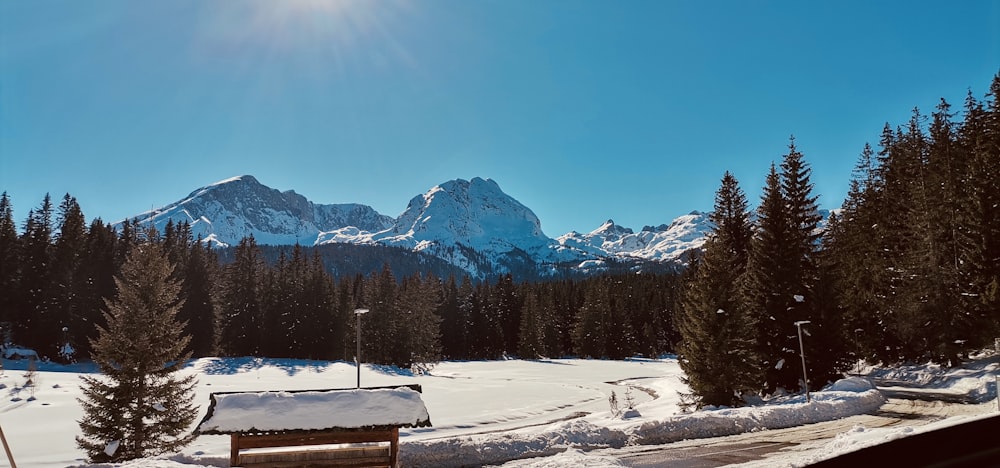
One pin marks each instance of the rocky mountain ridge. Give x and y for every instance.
(472, 224)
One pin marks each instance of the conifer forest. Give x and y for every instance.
(907, 269)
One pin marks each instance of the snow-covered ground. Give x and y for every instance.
(537, 413)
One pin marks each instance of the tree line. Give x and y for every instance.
(908, 269)
(57, 275)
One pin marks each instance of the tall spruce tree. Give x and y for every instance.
(198, 311)
(764, 294)
(9, 265)
(782, 272)
(851, 244)
(380, 332)
(979, 136)
(590, 334)
(531, 333)
(67, 281)
(716, 351)
(33, 322)
(239, 310)
(421, 326)
(139, 406)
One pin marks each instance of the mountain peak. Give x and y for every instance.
(471, 213)
(228, 210)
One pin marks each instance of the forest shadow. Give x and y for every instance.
(232, 366)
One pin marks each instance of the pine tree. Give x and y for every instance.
(239, 321)
(96, 282)
(319, 325)
(67, 257)
(979, 136)
(591, 329)
(782, 273)
(198, 311)
(717, 352)
(531, 334)
(851, 245)
(380, 329)
(33, 323)
(421, 326)
(139, 406)
(9, 264)
(764, 296)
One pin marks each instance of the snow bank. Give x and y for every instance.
(824, 406)
(847, 398)
(851, 384)
(499, 448)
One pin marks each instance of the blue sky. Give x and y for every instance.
(582, 110)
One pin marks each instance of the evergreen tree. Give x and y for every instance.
(96, 281)
(782, 272)
(532, 344)
(764, 294)
(139, 406)
(852, 245)
(278, 304)
(486, 332)
(240, 320)
(198, 311)
(504, 308)
(380, 332)
(620, 339)
(33, 322)
(420, 325)
(9, 265)
(318, 326)
(453, 326)
(67, 256)
(591, 329)
(716, 351)
(979, 136)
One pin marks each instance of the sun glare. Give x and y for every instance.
(289, 22)
(339, 35)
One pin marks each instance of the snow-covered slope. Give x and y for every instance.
(660, 243)
(229, 210)
(472, 224)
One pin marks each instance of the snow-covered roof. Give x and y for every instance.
(314, 410)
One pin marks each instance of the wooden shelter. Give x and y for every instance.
(336, 427)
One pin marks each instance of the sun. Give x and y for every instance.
(289, 24)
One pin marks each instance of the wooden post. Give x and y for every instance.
(394, 448)
(234, 450)
(7, 449)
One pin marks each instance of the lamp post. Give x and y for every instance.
(857, 344)
(802, 352)
(357, 358)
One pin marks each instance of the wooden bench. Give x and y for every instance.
(380, 449)
(302, 428)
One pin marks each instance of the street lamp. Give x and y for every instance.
(357, 358)
(802, 352)
(857, 344)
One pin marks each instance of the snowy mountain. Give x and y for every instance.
(229, 210)
(471, 224)
(660, 243)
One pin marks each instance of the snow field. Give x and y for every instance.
(484, 413)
